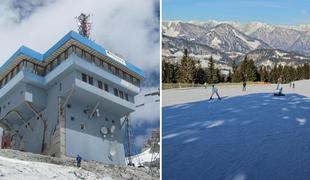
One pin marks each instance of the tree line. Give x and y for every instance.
(190, 71)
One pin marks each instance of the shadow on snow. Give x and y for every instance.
(256, 136)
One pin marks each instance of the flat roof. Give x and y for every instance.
(23, 50)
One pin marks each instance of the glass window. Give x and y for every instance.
(30, 67)
(70, 51)
(109, 68)
(106, 87)
(104, 65)
(97, 61)
(116, 71)
(87, 56)
(115, 92)
(90, 80)
(62, 57)
(40, 71)
(121, 94)
(84, 77)
(113, 70)
(120, 74)
(100, 84)
(78, 52)
(126, 97)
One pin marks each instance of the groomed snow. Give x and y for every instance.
(246, 135)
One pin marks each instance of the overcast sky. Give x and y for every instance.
(126, 27)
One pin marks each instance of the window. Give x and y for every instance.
(115, 92)
(113, 70)
(88, 57)
(121, 94)
(106, 87)
(70, 50)
(126, 97)
(109, 68)
(90, 80)
(104, 65)
(82, 126)
(84, 77)
(97, 61)
(100, 84)
(79, 52)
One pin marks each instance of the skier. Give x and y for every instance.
(244, 86)
(293, 85)
(279, 82)
(78, 160)
(279, 93)
(215, 91)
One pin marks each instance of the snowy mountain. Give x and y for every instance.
(227, 41)
(268, 57)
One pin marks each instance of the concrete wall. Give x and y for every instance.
(89, 142)
(67, 138)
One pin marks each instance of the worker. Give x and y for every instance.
(78, 160)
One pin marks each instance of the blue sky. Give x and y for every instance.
(269, 11)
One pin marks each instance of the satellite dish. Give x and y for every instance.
(112, 151)
(112, 129)
(104, 130)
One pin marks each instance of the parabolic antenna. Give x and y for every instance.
(112, 150)
(112, 129)
(104, 130)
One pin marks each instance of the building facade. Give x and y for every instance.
(68, 101)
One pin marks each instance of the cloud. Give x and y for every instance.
(123, 26)
(149, 113)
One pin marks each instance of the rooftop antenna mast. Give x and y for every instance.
(84, 24)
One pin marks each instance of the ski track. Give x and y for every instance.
(248, 135)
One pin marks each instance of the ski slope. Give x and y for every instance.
(247, 135)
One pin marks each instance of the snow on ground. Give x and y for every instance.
(140, 159)
(246, 135)
(28, 166)
(18, 169)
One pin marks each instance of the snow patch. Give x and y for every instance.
(253, 44)
(216, 43)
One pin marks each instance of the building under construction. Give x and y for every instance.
(68, 101)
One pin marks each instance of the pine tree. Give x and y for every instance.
(187, 69)
(236, 76)
(212, 77)
(229, 76)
